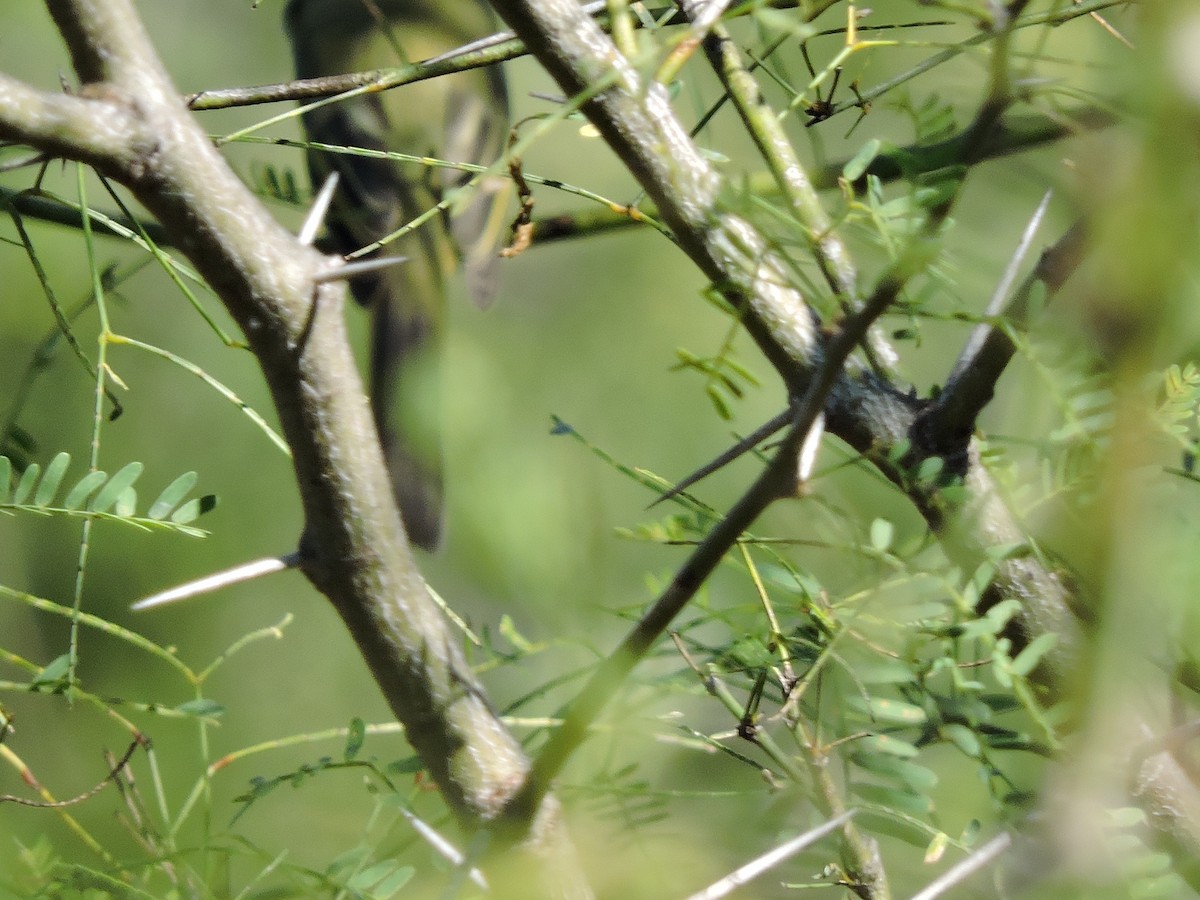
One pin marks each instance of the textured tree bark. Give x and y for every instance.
(129, 122)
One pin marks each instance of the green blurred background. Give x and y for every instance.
(586, 330)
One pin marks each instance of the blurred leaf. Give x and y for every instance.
(917, 777)
(936, 848)
(194, 509)
(202, 708)
(887, 711)
(26, 484)
(356, 734)
(963, 738)
(126, 504)
(886, 671)
(53, 676)
(112, 491)
(78, 496)
(52, 479)
(1026, 661)
(886, 743)
(858, 164)
(172, 494)
(882, 532)
(970, 833)
(894, 798)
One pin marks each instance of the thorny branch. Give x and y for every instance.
(271, 293)
(128, 122)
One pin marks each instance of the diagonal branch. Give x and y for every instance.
(636, 119)
(131, 125)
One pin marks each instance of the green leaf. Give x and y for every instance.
(78, 495)
(1001, 552)
(861, 161)
(882, 532)
(508, 628)
(260, 786)
(1001, 703)
(936, 848)
(1124, 817)
(5, 478)
(970, 833)
(719, 402)
(930, 468)
(194, 509)
(939, 186)
(895, 712)
(890, 671)
(1010, 740)
(1026, 661)
(783, 23)
(885, 743)
(992, 622)
(899, 450)
(356, 735)
(53, 675)
(393, 883)
(126, 504)
(172, 495)
(902, 829)
(380, 880)
(52, 479)
(962, 737)
(919, 612)
(1003, 611)
(201, 708)
(116, 486)
(1002, 665)
(917, 777)
(749, 652)
(410, 765)
(894, 798)
(25, 486)
(345, 863)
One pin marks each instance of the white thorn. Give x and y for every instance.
(316, 215)
(969, 866)
(996, 306)
(808, 450)
(358, 267)
(1000, 296)
(756, 867)
(210, 583)
(434, 838)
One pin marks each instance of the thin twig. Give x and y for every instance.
(746, 444)
(115, 770)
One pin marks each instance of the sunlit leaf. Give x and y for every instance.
(172, 495)
(78, 496)
(882, 532)
(111, 492)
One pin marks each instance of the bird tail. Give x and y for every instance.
(406, 400)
